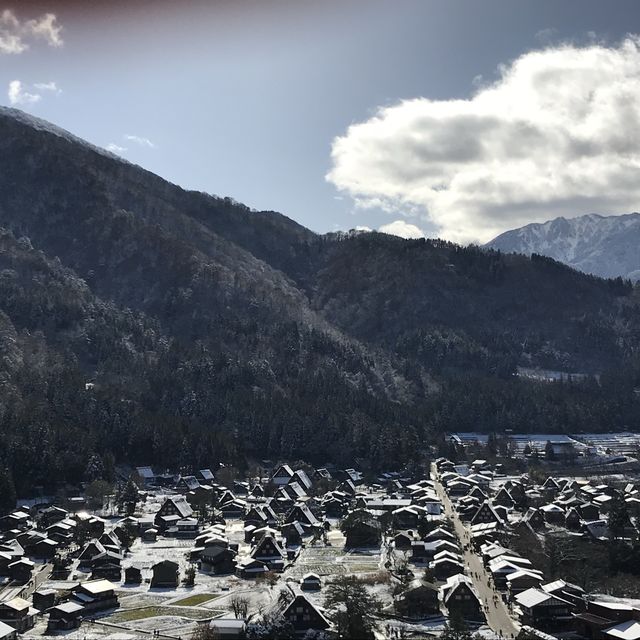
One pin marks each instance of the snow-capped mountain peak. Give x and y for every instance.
(606, 246)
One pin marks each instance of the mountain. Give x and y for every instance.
(144, 324)
(605, 246)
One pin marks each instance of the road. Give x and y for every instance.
(496, 611)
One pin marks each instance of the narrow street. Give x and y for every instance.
(496, 611)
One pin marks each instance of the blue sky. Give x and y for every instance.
(246, 98)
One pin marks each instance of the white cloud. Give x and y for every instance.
(402, 229)
(48, 86)
(18, 95)
(143, 142)
(15, 36)
(21, 94)
(116, 148)
(557, 134)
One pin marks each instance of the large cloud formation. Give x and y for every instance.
(558, 133)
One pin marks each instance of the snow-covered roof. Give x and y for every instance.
(629, 630)
(533, 597)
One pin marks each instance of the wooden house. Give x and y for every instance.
(418, 600)
(311, 582)
(165, 574)
(460, 599)
(218, 560)
(485, 514)
(304, 616)
(444, 568)
(174, 508)
(65, 616)
(95, 595)
(269, 551)
(282, 476)
(250, 568)
(19, 614)
(44, 599)
(132, 575)
(21, 570)
(543, 610)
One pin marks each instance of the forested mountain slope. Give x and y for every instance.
(207, 331)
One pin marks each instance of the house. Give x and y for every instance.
(543, 610)
(460, 599)
(588, 511)
(302, 478)
(107, 571)
(403, 540)
(21, 570)
(7, 632)
(95, 595)
(572, 519)
(44, 549)
(269, 551)
(44, 599)
(218, 560)
(406, 517)
(200, 496)
(311, 582)
(550, 487)
(629, 630)
(282, 476)
(65, 616)
(418, 600)
(250, 568)
(149, 535)
(364, 531)
(504, 499)
(146, 475)
(293, 533)
(302, 513)
(175, 508)
(91, 550)
(19, 614)
(440, 533)
(485, 514)
(233, 508)
(444, 568)
(188, 483)
(51, 515)
(553, 514)
(18, 520)
(132, 575)
(303, 616)
(165, 574)
(521, 580)
(185, 528)
(206, 476)
(62, 532)
(228, 628)
(535, 518)
(567, 591)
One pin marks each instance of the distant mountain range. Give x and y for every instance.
(145, 324)
(605, 246)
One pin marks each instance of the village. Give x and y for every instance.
(454, 547)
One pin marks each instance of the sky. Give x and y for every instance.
(452, 118)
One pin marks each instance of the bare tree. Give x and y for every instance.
(239, 605)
